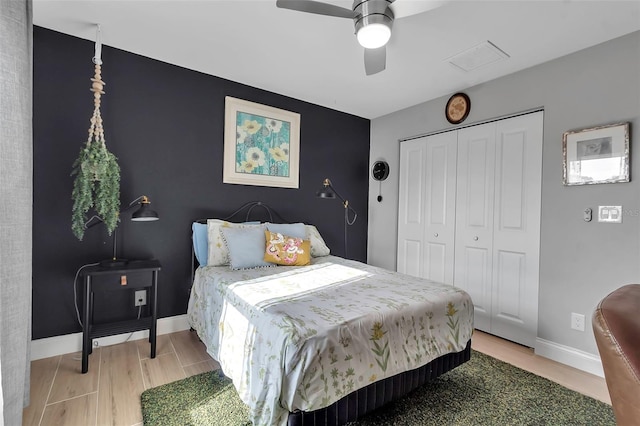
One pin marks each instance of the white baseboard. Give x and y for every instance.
(570, 356)
(69, 343)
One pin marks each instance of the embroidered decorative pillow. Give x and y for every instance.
(318, 246)
(286, 250)
(296, 230)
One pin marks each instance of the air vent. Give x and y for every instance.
(478, 56)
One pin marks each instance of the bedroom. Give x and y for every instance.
(62, 67)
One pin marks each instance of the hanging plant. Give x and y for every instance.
(97, 174)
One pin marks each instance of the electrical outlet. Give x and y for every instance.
(141, 298)
(577, 321)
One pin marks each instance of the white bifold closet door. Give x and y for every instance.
(426, 218)
(470, 209)
(474, 218)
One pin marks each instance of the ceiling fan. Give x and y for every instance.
(373, 21)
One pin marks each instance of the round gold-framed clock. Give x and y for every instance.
(457, 109)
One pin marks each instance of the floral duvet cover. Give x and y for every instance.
(301, 338)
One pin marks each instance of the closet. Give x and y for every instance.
(469, 215)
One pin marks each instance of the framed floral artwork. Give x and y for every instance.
(596, 155)
(261, 145)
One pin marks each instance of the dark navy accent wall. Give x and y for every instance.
(166, 126)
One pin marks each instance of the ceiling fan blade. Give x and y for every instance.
(316, 7)
(375, 60)
(403, 8)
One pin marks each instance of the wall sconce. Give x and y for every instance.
(143, 214)
(328, 191)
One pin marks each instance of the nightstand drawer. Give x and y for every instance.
(121, 281)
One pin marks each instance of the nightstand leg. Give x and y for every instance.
(86, 341)
(91, 320)
(154, 313)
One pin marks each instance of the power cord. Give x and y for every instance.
(75, 291)
(96, 345)
(131, 334)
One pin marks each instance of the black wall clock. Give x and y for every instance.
(380, 170)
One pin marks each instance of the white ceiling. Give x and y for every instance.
(317, 58)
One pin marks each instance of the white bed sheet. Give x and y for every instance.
(301, 338)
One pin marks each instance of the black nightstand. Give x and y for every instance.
(136, 274)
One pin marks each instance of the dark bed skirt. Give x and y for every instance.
(377, 394)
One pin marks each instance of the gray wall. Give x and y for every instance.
(16, 193)
(580, 262)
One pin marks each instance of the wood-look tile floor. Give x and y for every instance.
(109, 393)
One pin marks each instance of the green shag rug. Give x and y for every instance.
(483, 391)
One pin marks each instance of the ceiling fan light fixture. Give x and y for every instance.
(373, 21)
(374, 35)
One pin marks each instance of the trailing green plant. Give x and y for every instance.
(97, 185)
(97, 174)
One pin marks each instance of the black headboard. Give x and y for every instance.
(268, 214)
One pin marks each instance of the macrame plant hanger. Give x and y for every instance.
(97, 183)
(96, 130)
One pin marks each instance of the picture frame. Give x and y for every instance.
(596, 155)
(261, 145)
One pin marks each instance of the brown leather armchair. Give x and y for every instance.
(616, 325)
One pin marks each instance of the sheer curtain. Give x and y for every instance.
(1, 400)
(16, 205)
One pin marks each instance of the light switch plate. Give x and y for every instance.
(610, 214)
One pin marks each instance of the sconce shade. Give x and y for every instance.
(144, 213)
(325, 192)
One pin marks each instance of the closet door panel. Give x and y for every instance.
(411, 207)
(479, 185)
(426, 215)
(474, 218)
(436, 262)
(410, 262)
(473, 275)
(436, 184)
(414, 186)
(517, 227)
(510, 281)
(440, 181)
(511, 182)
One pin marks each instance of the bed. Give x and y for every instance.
(326, 342)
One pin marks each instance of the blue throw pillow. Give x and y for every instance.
(246, 247)
(200, 242)
(296, 230)
(200, 239)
